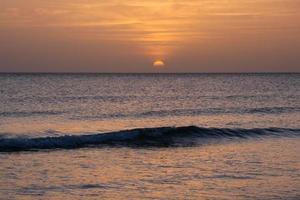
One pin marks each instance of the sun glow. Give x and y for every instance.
(128, 34)
(158, 64)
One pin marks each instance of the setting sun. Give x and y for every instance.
(160, 99)
(158, 63)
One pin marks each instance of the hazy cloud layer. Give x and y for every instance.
(128, 35)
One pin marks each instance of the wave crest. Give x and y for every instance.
(145, 137)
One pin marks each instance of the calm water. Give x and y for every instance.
(226, 136)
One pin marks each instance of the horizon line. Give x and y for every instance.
(283, 72)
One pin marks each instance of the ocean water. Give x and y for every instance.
(149, 136)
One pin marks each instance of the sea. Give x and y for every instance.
(149, 136)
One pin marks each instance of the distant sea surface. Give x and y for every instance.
(149, 136)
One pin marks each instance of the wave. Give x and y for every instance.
(273, 110)
(192, 112)
(29, 113)
(208, 111)
(145, 137)
(157, 113)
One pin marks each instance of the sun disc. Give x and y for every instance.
(158, 63)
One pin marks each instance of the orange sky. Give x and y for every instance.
(128, 35)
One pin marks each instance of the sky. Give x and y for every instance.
(130, 35)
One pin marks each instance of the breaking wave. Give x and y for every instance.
(145, 137)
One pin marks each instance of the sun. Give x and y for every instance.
(158, 63)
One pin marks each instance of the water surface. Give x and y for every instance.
(149, 136)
